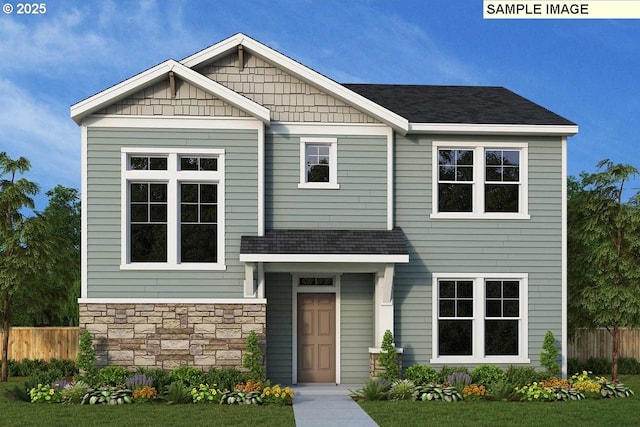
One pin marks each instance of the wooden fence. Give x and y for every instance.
(42, 343)
(599, 343)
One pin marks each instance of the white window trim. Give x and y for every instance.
(172, 176)
(478, 320)
(478, 182)
(296, 289)
(333, 163)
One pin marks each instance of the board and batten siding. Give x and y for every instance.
(359, 203)
(476, 246)
(356, 326)
(104, 277)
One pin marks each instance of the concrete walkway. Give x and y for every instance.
(328, 405)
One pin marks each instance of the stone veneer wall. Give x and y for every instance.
(375, 369)
(169, 335)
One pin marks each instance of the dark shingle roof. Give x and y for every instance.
(458, 104)
(343, 242)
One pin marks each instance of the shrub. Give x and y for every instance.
(403, 390)
(439, 392)
(373, 389)
(252, 359)
(107, 396)
(277, 395)
(459, 380)
(66, 366)
(32, 367)
(598, 365)
(388, 358)
(205, 394)
(190, 376)
(138, 381)
(445, 371)
(522, 375)
(474, 391)
(549, 355)
(575, 365)
(44, 393)
(501, 391)
(160, 378)
(487, 374)
(145, 393)
(73, 393)
(45, 376)
(421, 374)
(86, 353)
(226, 378)
(112, 376)
(628, 365)
(177, 392)
(613, 390)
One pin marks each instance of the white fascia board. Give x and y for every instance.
(138, 82)
(398, 123)
(492, 129)
(320, 258)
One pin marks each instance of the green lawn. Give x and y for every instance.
(605, 412)
(17, 413)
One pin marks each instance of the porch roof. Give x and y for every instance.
(278, 245)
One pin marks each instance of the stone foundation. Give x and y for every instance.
(169, 335)
(374, 366)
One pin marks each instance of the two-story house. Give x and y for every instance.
(237, 190)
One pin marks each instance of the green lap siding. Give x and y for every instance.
(279, 327)
(360, 202)
(476, 246)
(104, 277)
(356, 326)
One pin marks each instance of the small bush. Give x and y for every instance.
(177, 393)
(628, 365)
(73, 393)
(421, 374)
(388, 358)
(138, 381)
(403, 390)
(373, 389)
(86, 353)
(459, 380)
(549, 355)
(145, 393)
(445, 371)
(501, 391)
(598, 365)
(252, 359)
(474, 392)
(67, 367)
(205, 394)
(190, 376)
(522, 375)
(226, 378)
(488, 374)
(112, 376)
(160, 378)
(575, 365)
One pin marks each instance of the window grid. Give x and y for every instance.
(318, 159)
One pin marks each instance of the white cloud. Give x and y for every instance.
(34, 130)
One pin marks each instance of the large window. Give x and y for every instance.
(173, 214)
(480, 318)
(482, 181)
(318, 163)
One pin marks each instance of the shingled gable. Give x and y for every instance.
(157, 73)
(325, 245)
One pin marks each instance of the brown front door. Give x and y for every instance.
(316, 338)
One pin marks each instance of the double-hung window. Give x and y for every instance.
(480, 318)
(483, 180)
(318, 163)
(172, 209)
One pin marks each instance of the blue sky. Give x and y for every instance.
(586, 70)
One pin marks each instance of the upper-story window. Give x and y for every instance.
(173, 216)
(318, 163)
(487, 180)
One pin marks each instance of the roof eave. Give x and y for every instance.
(395, 121)
(134, 84)
(493, 129)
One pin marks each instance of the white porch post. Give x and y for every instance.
(250, 290)
(383, 303)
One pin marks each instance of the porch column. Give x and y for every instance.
(383, 303)
(250, 288)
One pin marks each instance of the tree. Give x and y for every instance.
(24, 242)
(57, 286)
(604, 252)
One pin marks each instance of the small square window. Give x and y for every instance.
(318, 163)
